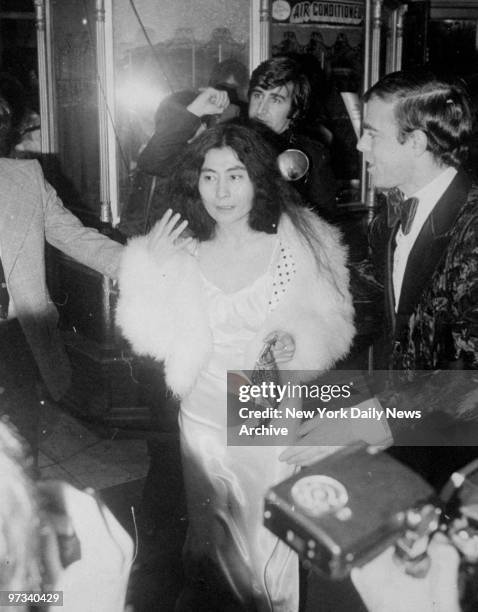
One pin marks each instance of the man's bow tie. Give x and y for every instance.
(399, 209)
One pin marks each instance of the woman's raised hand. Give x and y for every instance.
(165, 237)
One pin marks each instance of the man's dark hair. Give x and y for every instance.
(439, 108)
(229, 68)
(271, 193)
(279, 71)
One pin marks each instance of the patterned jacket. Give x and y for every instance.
(431, 342)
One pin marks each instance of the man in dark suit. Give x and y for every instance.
(416, 131)
(425, 245)
(30, 215)
(414, 140)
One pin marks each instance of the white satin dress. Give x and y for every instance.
(225, 486)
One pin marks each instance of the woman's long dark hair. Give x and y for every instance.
(273, 196)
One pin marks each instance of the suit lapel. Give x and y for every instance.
(432, 242)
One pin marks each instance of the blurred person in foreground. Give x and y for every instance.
(54, 537)
(32, 214)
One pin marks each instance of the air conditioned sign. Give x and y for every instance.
(345, 13)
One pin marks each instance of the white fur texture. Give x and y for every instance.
(162, 310)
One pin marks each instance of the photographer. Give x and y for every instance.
(54, 537)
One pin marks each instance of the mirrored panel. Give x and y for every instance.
(161, 47)
(76, 103)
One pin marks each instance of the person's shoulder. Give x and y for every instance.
(18, 171)
(466, 224)
(473, 195)
(469, 210)
(315, 221)
(308, 216)
(18, 167)
(322, 229)
(463, 234)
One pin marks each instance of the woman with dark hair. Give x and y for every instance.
(180, 118)
(256, 268)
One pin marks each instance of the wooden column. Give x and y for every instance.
(105, 202)
(265, 27)
(374, 74)
(376, 38)
(365, 86)
(49, 141)
(391, 58)
(399, 50)
(395, 39)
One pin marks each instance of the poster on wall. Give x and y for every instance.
(349, 13)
